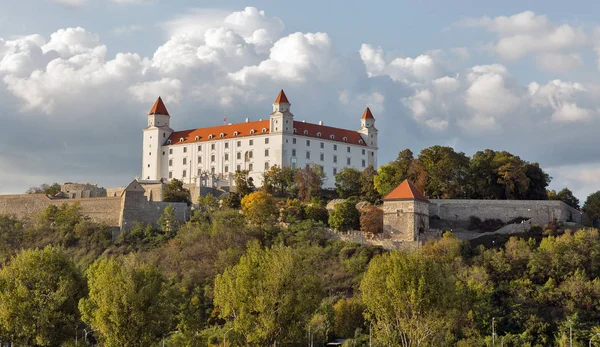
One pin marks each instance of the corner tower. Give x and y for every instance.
(155, 135)
(282, 120)
(367, 128)
(405, 213)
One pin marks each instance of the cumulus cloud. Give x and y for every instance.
(70, 2)
(133, 2)
(406, 69)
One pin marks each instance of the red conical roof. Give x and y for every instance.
(159, 108)
(281, 98)
(367, 114)
(405, 191)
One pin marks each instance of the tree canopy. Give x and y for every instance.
(176, 192)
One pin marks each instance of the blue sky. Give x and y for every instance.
(77, 77)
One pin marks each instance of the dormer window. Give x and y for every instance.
(181, 139)
(305, 132)
(197, 138)
(236, 133)
(294, 130)
(210, 136)
(222, 135)
(332, 136)
(169, 142)
(264, 130)
(318, 134)
(360, 141)
(252, 131)
(345, 139)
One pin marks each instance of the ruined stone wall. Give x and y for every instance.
(112, 192)
(25, 206)
(136, 208)
(154, 191)
(538, 211)
(78, 190)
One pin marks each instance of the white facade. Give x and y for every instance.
(254, 146)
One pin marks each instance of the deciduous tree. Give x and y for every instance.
(345, 216)
(176, 192)
(259, 208)
(309, 181)
(348, 183)
(371, 220)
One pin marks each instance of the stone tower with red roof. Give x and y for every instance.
(406, 213)
(155, 135)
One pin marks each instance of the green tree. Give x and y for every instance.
(292, 210)
(259, 208)
(348, 182)
(316, 211)
(405, 167)
(538, 181)
(46, 189)
(446, 172)
(39, 291)
(345, 216)
(592, 206)
(309, 181)
(367, 185)
(128, 304)
(176, 192)
(348, 317)
(244, 184)
(168, 222)
(269, 295)
(416, 304)
(565, 195)
(278, 181)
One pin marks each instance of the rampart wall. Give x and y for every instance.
(538, 211)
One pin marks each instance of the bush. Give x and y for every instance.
(487, 225)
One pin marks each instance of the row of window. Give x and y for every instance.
(250, 168)
(213, 145)
(226, 157)
(322, 144)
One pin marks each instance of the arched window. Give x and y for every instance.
(264, 130)
(210, 136)
(181, 139)
(252, 131)
(332, 136)
(360, 141)
(222, 135)
(169, 141)
(197, 138)
(318, 134)
(305, 132)
(294, 130)
(236, 133)
(345, 139)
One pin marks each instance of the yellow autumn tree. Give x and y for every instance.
(259, 208)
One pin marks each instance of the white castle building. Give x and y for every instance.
(254, 145)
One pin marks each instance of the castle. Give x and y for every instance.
(220, 151)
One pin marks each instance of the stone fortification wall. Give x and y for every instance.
(404, 219)
(101, 210)
(112, 192)
(538, 211)
(78, 190)
(154, 191)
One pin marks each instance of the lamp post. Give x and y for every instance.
(597, 334)
(225, 337)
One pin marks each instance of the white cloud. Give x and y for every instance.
(126, 29)
(557, 62)
(408, 70)
(133, 2)
(169, 89)
(73, 3)
(566, 100)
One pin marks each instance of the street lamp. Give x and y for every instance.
(597, 334)
(225, 336)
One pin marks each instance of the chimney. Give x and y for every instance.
(320, 122)
(304, 121)
(246, 120)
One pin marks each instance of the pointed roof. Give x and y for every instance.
(367, 114)
(134, 186)
(159, 108)
(406, 191)
(281, 98)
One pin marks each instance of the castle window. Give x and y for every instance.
(236, 133)
(181, 139)
(264, 130)
(239, 143)
(184, 174)
(199, 172)
(335, 147)
(332, 136)
(169, 141)
(335, 158)
(163, 152)
(199, 160)
(363, 151)
(345, 139)
(226, 156)
(148, 165)
(305, 132)
(348, 149)
(334, 171)
(239, 155)
(149, 153)
(251, 142)
(212, 170)
(266, 141)
(294, 130)
(347, 161)
(322, 145)
(170, 150)
(184, 149)
(170, 162)
(252, 131)
(293, 152)
(212, 158)
(164, 135)
(210, 136)
(322, 157)
(266, 152)
(226, 145)
(226, 169)
(307, 155)
(308, 143)
(170, 174)
(364, 163)
(199, 148)
(250, 154)
(222, 135)
(212, 147)
(197, 138)
(318, 134)
(239, 167)
(184, 161)
(250, 167)
(266, 165)
(294, 141)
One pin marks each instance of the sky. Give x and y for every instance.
(78, 77)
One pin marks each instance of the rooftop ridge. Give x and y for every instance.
(159, 108)
(281, 98)
(405, 190)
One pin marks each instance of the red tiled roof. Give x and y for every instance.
(159, 108)
(367, 114)
(281, 98)
(228, 131)
(405, 191)
(313, 130)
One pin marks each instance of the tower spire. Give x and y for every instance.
(281, 98)
(367, 114)
(159, 108)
